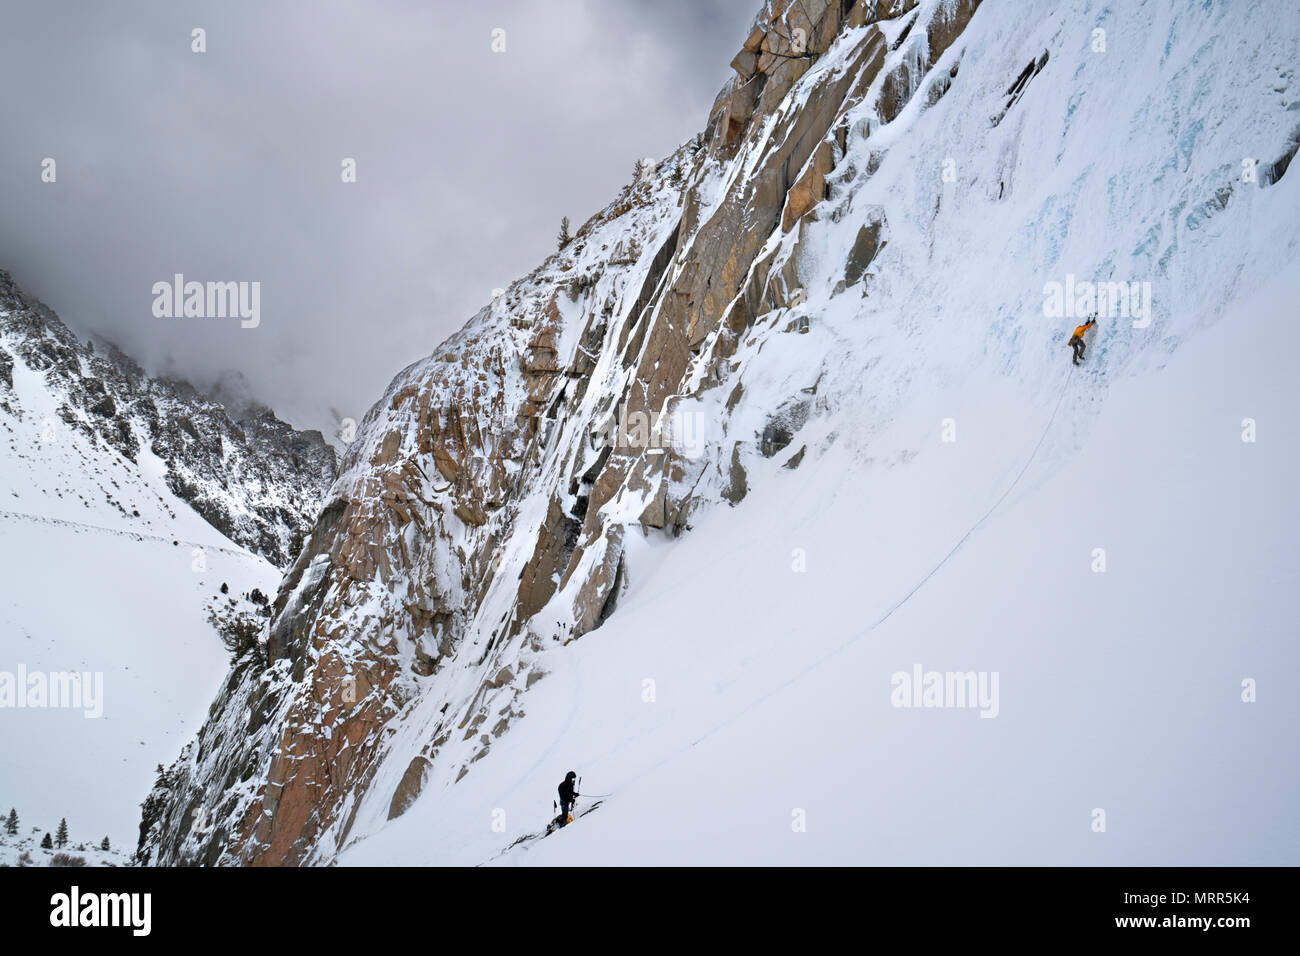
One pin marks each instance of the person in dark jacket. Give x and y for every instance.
(567, 796)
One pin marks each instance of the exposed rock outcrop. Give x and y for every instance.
(482, 518)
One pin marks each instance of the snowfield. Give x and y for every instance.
(1115, 544)
(985, 607)
(88, 586)
(1118, 690)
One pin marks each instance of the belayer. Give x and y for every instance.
(1076, 340)
(568, 794)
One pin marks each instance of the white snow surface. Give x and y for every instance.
(738, 706)
(772, 736)
(87, 586)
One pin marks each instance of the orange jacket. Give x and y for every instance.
(1078, 332)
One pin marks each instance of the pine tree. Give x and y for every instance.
(47, 843)
(11, 824)
(151, 812)
(564, 238)
(677, 175)
(104, 844)
(61, 836)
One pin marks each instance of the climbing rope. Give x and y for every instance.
(889, 613)
(976, 526)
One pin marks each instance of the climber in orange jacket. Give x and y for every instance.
(1076, 340)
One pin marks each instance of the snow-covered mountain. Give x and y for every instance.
(790, 425)
(257, 480)
(134, 514)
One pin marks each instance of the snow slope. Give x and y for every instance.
(1119, 691)
(103, 571)
(24, 848)
(919, 481)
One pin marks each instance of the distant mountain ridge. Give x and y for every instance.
(255, 479)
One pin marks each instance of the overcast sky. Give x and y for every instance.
(225, 165)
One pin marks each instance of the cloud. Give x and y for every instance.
(226, 165)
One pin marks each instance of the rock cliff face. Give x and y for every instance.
(257, 480)
(488, 511)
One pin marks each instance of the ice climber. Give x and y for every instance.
(1076, 340)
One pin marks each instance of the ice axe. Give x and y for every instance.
(592, 794)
